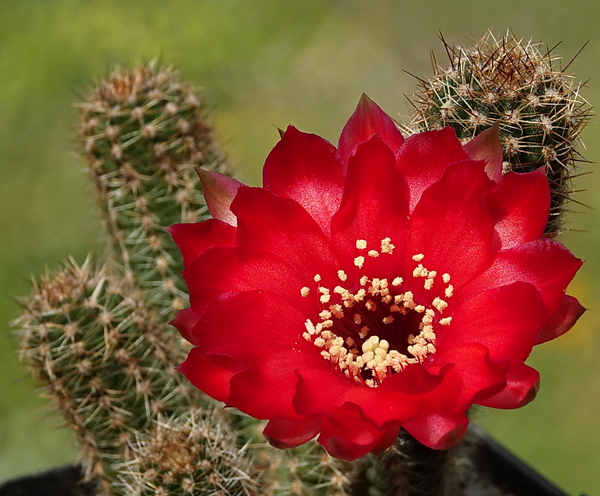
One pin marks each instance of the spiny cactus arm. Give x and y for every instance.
(94, 343)
(143, 131)
(540, 111)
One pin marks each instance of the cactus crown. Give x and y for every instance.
(540, 111)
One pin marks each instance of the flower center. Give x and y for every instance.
(371, 328)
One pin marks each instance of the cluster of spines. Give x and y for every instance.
(539, 110)
(191, 454)
(304, 471)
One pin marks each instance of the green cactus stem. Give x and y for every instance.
(540, 111)
(104, 360)
(143, 131)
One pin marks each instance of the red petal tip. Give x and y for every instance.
(368, 120)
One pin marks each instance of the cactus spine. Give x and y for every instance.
(540, 112)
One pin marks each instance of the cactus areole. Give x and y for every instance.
(387, 283)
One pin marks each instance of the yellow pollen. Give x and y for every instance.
(369, 363)
(420, 271)
(370, 344)
(371, 305)
(337, 312)
(427, 319)
(440, 304)
(387, 246)
(428, 333)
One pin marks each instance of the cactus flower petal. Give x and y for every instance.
(219, 191)
(486, 146)
(387, 284)
(367, 121)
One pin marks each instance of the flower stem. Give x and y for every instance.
(407, 468)
(419, 470)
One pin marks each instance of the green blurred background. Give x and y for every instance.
(265, 64)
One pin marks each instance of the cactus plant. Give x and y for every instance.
(104, 358)
(97, 334)
(539, 110)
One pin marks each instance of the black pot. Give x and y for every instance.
(61, 481)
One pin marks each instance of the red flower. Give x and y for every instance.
(387, 283)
